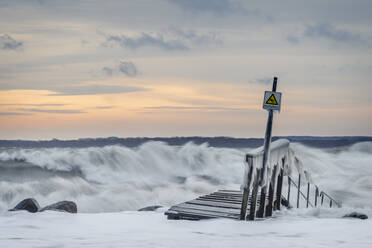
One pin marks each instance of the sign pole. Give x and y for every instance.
(271, 103)
(269, 127)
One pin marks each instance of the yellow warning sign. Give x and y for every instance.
(272, 100)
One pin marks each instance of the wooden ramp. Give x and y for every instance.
(220, 204)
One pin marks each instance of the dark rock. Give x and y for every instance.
(29, 204)
(150, 208)
(356, 215)
(64, 206)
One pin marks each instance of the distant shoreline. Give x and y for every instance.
(228, 142)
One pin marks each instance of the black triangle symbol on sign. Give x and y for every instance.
(272, 100)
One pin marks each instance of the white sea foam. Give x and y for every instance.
(115, 178)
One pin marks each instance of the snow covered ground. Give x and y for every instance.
(108, 182)
(294, 228)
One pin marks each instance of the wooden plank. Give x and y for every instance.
(239, 199)
(220, 204)
(230, 191)
(215, 204)
(206, 208)
(224, 198)
(200, 214)
(227, 194)
(207, 198)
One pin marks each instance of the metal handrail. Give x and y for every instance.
(317, 194)
(302, 194)
(331, 200)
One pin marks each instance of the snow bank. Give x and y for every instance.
(152, 229)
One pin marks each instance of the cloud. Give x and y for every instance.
(146, 39)
(35, 105)
(194, 36)
(198, 108)
(220, 7)
(104, 107)
(13, 113)
(8, 43)
(52, 111)
(170, 39)
(328, 31)
(266, 80)
(95, 90)
(293, 39)
(108, 71)
(128, 68)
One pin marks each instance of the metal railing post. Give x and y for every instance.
(308, 195)
(279, 189)
(289, 189)
(269, 206)
(243, 210)
(298, 190)
(316, 196)
(252, 209)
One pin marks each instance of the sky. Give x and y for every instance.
(87, 68)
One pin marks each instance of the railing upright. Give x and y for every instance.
(289, 189)
(308, 195)
(270, 205)
(243, 210)
(298, 190)
(279, 189)
(252, 209)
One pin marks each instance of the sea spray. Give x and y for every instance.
(116, 178)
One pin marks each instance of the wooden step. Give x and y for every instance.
(219, 204)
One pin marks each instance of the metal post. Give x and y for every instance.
(316, 196)
(267, 142)
(298, 190)
(322, 199)
(308, 195)
(266, 155)
(279, 189)
(269, 206)
(289, 189)
(261, 209)
(243, 209)
(252, 209)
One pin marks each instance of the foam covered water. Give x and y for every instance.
(115, 178)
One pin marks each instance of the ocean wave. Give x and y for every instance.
(116, 178)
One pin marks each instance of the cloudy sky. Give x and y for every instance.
(89, 68)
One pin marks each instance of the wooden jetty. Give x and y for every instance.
(220, 204)
(253, 201)
(261, 194)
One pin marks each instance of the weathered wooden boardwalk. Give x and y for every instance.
(220, 204)
(254, 201)
(262, 185)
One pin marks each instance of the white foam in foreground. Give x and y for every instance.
(152, 229)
